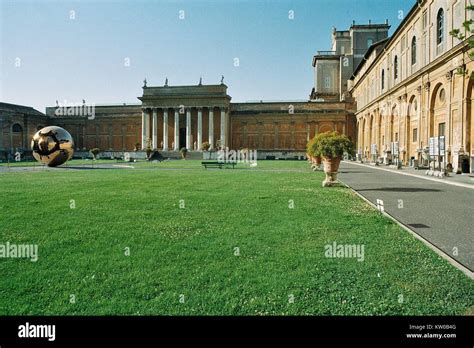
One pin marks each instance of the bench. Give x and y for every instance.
(215, 164)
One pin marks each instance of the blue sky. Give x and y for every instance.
(46, 55)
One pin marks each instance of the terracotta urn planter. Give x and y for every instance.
(316, 162)
(330, 147)
(331, 167)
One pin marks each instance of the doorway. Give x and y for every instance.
(182, 138)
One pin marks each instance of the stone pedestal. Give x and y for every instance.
(331, 180)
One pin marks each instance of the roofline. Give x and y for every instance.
(370, 26)
(329, 57)
(408, 17)
(368, 53)
(21, 106)
(181, 86)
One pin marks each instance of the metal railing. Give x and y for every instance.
(326, 53)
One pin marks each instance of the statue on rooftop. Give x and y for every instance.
(166, 82)
(222, 79)
(144, 82)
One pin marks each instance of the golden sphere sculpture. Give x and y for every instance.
(52, 146)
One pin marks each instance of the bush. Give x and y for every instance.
(309, 147)
(329, 145)
(94, 152)
(183, 151)
(206, 146)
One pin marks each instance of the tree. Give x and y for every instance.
(457, 33)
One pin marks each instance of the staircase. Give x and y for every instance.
(191, 155)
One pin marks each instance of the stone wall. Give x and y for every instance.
(114, 127)
(18, 124)
(286, 125)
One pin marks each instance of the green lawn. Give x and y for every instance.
(192, 251)
(74, 162)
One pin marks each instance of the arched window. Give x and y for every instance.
(395, 68)
(413, 50)
(370, 42)
(383, 79)
(16, 128)
(440, 27)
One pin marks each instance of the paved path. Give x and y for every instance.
(441, 213)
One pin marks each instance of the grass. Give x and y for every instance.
(190, 253)
(73, 162)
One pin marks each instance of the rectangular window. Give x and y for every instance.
(415, 135)
(396, 136)
(441, 129)
(327, 82)
(383, 139)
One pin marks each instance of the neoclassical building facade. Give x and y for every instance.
(18, 124)
(172, 117)
(413, 92)
(408, 101)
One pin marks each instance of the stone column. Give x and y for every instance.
(211, 127)
(165, 129)
(428, 109)
(388, 126)
(223, 128)
(84, 135)
(449, 88)
(76, 143)
(401, 114)
(111, 137)
(25, 133)
(97, 135)
(199, 132)
(155, 129)
(124, 137)
(418, 115)
(144, 126)
(189, 146)
(276, 135)
(176, 129)
(359, 138)
(1, 134)
(10, 128)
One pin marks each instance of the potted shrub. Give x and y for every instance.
(148, 149)
(331, 146)
(183, 152)
(205, 146)
(309, 151)
(314, 159)
(94, 152)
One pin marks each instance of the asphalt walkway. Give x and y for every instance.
(435, 209)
